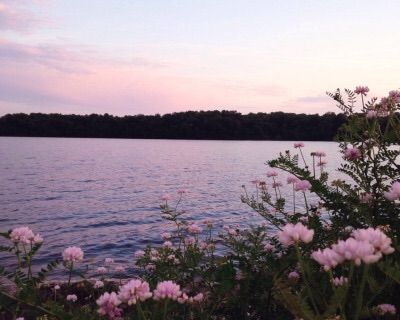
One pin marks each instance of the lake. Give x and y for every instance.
(104, 194)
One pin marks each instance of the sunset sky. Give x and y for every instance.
(159, 56)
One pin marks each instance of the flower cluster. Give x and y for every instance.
(365, 245)
(72, 254)
(294, 233)
(108, 305)
(167, 290)
(25, 235)
(135, 290)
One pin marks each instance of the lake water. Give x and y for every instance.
(104, 194)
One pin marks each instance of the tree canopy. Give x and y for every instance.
(212, 125)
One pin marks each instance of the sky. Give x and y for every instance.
(157, 56)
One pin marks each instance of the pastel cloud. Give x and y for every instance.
(14, 17)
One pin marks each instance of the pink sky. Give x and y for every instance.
(121, 58)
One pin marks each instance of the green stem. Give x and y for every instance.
(294, 200)
(70, 273)
(165, 309)
(140, 311)
(304, 272)
(305, 200)
(360, 293)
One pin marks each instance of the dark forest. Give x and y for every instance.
(212, 125)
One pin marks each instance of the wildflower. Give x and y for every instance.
(198, 297)
(181, 192)
(183, 298)
(165, 235)
(37, 239)
(272, 173)
(380, 241)
(327, 257)
(189, 241)
(72, 297)
(72, 254)
(320, 154)
(293, 275)
(139, 254)
(150, 267)
(232, 232)
(194, 228)
(302, 185)
(167, 244)
(167, 290)
(293, 233)
(108, 305)
(135, 290)
(56, 287)
(292, 179)
(352, 153)
(366, 198)
(385, 308)
(277, 184)
(394, 192)
(269, 247)
(22, 235)
(166, 197)
(109, 260)
(299, 145)
(361, 90)
(371, 114)
(394, 95)
(339, 281)
(98, 284)
(357, 251)
(101, 270)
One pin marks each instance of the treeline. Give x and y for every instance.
(213, 125)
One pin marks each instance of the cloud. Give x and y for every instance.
(314, 99)
(15, 17)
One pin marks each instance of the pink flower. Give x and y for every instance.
(139, 254)
(366, 198)
(385, 308)
(98, 284)
(292, 179)
(339, 281)
(394, 95)
(165, 235)
(150, 267)
(72, 254)
(293, 275)
(22, 235)
(189, 241)
(181, 192)
(135, 290)
(166, 197)
(37, 239)
(167, 290)
(352, 153)
(371, 114)
(293, 233)
(109, 260)
(194, 228)
(320, 154)
(380, 241)
(108, 305)
(101, 270)
(361, 90)
(272, 173)
(167, 244)
(299, 145)
(327, 257)
(72, 297)
(269, 247)
(57, 287)
(277, 184)
(357, 251)
(198, 297)
(182, 299)
(394, 192)
(232, 232)
(302, 185)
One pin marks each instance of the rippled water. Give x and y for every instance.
(104, 194)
